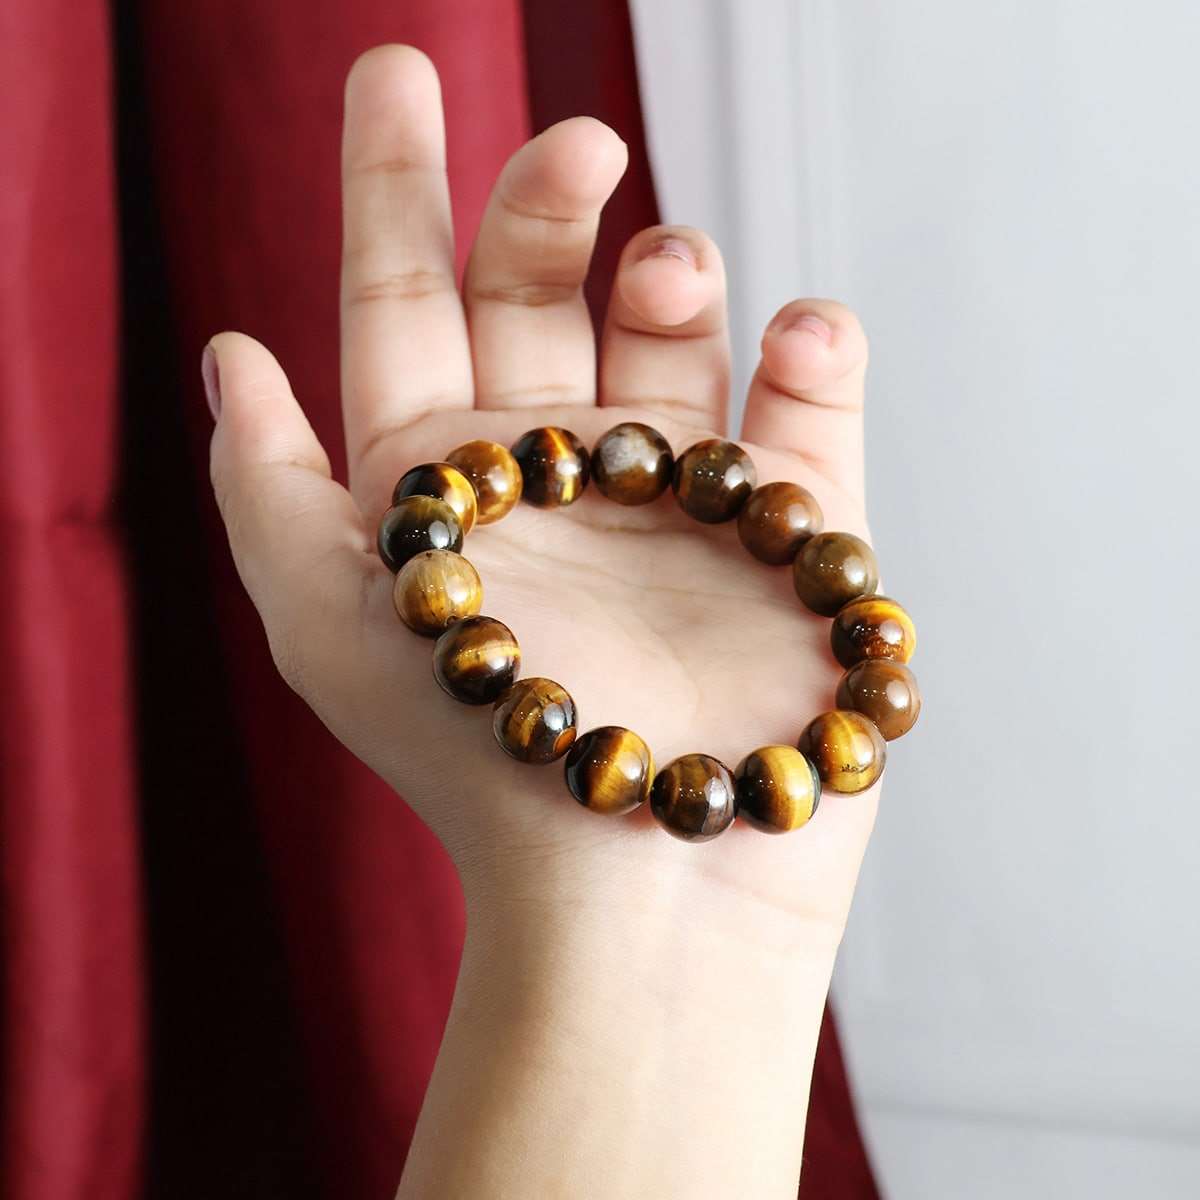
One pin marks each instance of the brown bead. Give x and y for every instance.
(434, 589)
(885, 691)
(476, 660)
(632, 463)
(712, 480)
(534, 721)
(778, 789)
(609, 770)
(693, 797)
(554, 466)
(444, 481)
(846, 749)
(832, 569)
(494, 475)
(776, 520)
(417, 523)
(872, 627)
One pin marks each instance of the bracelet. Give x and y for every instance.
(476, 659)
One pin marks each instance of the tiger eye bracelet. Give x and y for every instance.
(476, 659)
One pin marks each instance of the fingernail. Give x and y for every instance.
(212, 381)
(671, 247)
(814, 325)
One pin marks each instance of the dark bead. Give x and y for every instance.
(832, 569)
(554, 466)
(534, 721)
(872, 627)
(885, 691)
(712, 480)
(778, 789)
(477, 660)
(434, 589)
(776, 520)
(846, 749)
(494, 475)
(444, 481)
(609, 770)
(632, 463)
(417, 523)
(693, 797)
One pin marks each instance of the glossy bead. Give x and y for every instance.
(778, 789)
(444, 481)
(693, 797)
(609, 770)
(434, 589)
(712, 480)
(534, 721)
(776, 520)
(476, 660)
(632, 463)
(846, 749)
(885, 691)
(872, 627)
(494, 475)
(832, 569)
(417, 523)
(554, 466)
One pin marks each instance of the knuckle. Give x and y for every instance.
(399, 286)
(531, 294)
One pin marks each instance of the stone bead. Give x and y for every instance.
(494, 475)
(444, 481)
(712, 480)
(778, 789)
(554, 466)
(417, 523)
(776, 520)
(885, 691)
(534, 721)
(434, 589)
(872, 627)
(476, 660)
(832, 569)
(846, 749)
(609, 770)
(632, 463)
(694, 797)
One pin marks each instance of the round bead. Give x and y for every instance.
(832, 569)
(417, 523)
(534, 721)
(476, 660)
(693, 797)
(846, 749)
(778, 789)
(444, 481)
(554, 466)
(872, 627)
(776, 520)
(632, 463)
(885, 691)
(712, 480)
(609, 770)
(434, 589)
(494, 475)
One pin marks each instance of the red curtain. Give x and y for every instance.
(228, 949)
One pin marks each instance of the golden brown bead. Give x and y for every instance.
(534, 721)
(778, 789)
(444, 481)
(885, 691)
(554, 466)
(476, 660)
(872, 627)
(776, 520)
(632, 463)
(846, 749)
(434, 589)
(609, 770)
(693, 797)
(417, 523)
(832, 569)
(712, 480)
(494, 475)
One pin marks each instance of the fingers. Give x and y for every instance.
(807, 394)
(531, 333)
(666, 344)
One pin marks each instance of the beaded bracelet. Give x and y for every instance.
(476, 659)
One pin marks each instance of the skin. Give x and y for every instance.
(588, 985)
